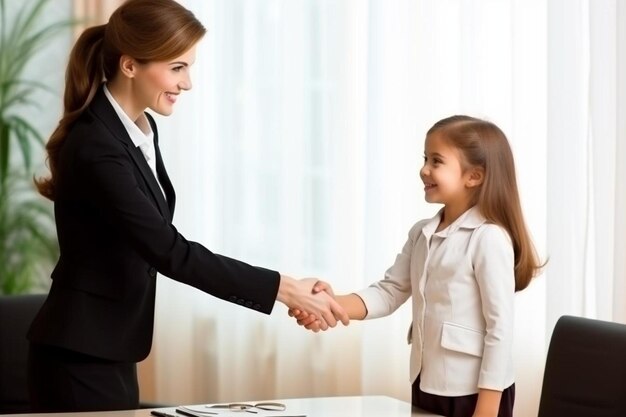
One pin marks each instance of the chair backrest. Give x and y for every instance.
(585, 373)
(16, 314)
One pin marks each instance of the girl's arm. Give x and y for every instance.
(351, 303)
(488, 403)
(383, 297)
(353, 306)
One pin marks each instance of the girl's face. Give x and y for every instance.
(158, 84)
(445, 180)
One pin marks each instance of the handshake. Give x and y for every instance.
(312, 303)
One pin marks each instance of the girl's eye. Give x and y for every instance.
(432, 161)
(177, 69)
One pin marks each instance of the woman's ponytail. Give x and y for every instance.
(83, 78)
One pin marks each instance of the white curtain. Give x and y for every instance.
(586, 144)
(299, 147)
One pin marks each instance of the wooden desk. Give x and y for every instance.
(366, 406)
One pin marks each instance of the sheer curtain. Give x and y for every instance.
(299, 148)
(586, 131)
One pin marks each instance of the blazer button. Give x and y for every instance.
(256, 306)
(232, 298)
(241, 301)
(152, 271)
(249, 304)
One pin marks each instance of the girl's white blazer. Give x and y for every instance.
(463, 286)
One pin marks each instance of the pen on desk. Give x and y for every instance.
(193, 413)
(161, 414)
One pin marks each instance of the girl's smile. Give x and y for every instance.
(429, 187)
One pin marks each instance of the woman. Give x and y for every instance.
(114, 204)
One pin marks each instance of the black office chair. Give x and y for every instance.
(585, 373)
(16, 314)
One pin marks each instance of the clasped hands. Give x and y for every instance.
(308, 318)
(312, 302)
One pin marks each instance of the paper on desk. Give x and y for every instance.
(202, 411)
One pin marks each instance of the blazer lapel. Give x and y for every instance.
(165, 182)
(104, 111)
(164, 179)
(148, 176)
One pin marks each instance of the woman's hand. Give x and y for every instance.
(305, 296)
(352, 304)
(310, 321)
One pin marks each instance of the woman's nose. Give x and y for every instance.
(185, 84)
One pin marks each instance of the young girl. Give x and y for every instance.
(462, 268)
(114, 204)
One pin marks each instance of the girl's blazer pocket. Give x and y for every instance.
(462, 339)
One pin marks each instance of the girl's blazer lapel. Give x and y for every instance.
(105, 112)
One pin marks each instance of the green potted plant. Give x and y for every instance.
(28, 246)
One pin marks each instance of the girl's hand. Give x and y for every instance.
(310, 321)
(299, 294)
(488, 403)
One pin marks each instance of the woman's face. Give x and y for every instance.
(158, 84)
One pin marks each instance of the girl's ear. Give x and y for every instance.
(475, 178)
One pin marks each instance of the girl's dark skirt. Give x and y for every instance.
(462, 406)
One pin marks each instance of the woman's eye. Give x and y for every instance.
(177, 69)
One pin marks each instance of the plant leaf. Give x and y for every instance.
(22, 140)
(4, 153)
(28, 243)
(28, 246)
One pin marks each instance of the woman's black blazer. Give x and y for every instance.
(115, 232)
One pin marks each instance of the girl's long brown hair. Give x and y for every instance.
(147, 30)
(483, 144)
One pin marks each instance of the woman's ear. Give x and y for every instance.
(128, 66)
(475, 178)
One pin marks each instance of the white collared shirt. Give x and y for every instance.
(462, 283)
(143, 140)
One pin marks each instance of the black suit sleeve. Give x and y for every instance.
(108, 172)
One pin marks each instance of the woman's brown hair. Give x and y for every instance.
(483, 144)
(147, 30)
